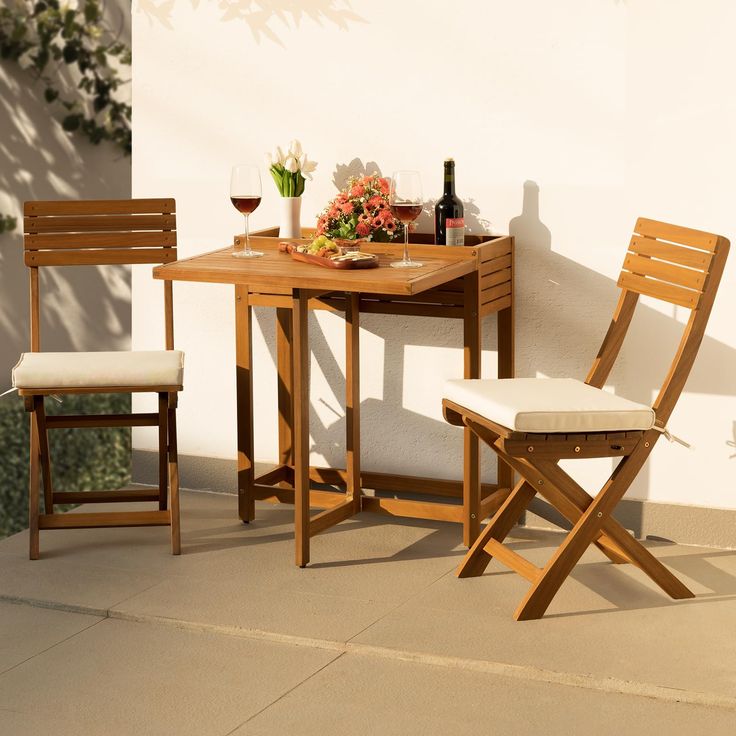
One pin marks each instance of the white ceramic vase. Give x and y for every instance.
(290, 223)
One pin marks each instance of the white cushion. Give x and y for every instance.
(98, 370)
(549, 405)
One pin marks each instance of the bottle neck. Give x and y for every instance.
(449, 181)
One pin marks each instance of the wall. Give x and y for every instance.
(82, 308)
(567, 120)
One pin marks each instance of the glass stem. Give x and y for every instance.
(247, 235)
(406, 243)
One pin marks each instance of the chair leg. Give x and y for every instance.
(477, 559)
(44, 453)
(163, 403)
(174, 480)
(33, 491)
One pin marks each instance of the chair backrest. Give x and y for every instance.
(677, 265)
(96, 233)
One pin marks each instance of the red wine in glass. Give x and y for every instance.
(406, 212)
(245, 194)
(245, 205)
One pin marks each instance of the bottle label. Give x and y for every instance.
(455, 231)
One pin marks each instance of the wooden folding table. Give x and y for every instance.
(467, 283)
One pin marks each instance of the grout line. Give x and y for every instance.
(604, 684)
(285, 693)
(55, 644)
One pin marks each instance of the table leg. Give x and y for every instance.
(471, 450)
(244, 393)
(300, 348)
(352, 399)
(285, 386)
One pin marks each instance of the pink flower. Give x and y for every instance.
(333, 212)
(346, 208)
(342, 197)
(363, 229)
(358, 190)
(389, 226)
(374, 201)
(365, 217)
(383, 185)
(377, 222)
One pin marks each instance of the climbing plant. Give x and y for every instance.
(47, 36)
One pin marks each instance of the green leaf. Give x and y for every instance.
(91, 11)
(71, 122)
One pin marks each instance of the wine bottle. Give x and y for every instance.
(449, 223)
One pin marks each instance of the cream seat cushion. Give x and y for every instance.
(139, 368)
(549, 405)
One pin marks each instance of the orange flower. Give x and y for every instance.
(363, 229)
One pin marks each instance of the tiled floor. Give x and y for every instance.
(109, 634)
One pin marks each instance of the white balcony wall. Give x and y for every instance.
(567, 120)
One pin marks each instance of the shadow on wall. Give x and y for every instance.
(564, 310)
(262, 15)
(83, 308)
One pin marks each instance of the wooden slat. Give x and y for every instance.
(325, 519)
(65, 421)
(490, 504)
(411, 310)
(495, 292)
(671, 253)
(413, 509)
(130, 495)
(397, 483)
(659, 290)
(489, 251)
(100, 207)
(104, 519)
(96, 390)
(277, 494)
(274, 476)
(495, 264)
(513, 560)
(495, 306)
(495, 278)
(676, 234)
(100, 257)
(76, 241)
(98, 223)
(665, 271)
(560, 447)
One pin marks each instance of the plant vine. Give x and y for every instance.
(47, 36)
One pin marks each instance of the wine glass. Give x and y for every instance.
(405, 201)
(245, 194)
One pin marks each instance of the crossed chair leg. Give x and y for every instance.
(590, 516)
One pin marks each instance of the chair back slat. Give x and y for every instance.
(99, 257)
(99, 232)
(668, 262)
(659, 290)
(670, 253)
(97, 223)
(676, 234)
(100, 207)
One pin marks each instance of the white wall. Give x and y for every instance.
(83, 308)
(599, 111)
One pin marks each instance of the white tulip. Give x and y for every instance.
(308, 167)
(278, 156)
(295, 148)
(269, 160)
(291, 165)
(302, 160)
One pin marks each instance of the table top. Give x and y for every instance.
(275, 269)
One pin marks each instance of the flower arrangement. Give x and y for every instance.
(290, 169)
(361, 210)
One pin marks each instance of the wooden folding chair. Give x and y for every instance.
(532, 424)
(100, 232)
